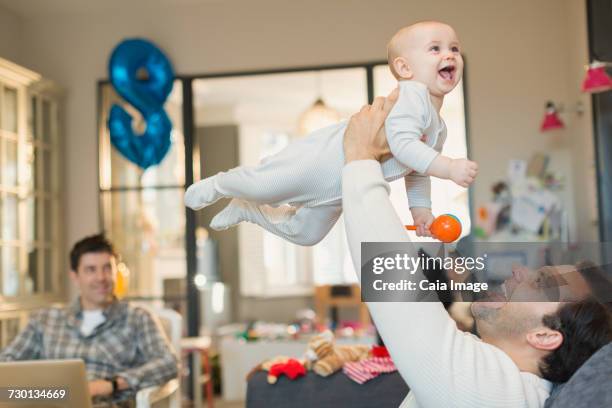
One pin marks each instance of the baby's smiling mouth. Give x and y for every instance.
(447, 73)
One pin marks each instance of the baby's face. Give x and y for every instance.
(432, 52)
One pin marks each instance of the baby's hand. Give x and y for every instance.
(463, 171)
(422, 218)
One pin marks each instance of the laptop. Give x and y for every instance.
(44, 384)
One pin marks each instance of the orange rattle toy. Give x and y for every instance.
(446, 228)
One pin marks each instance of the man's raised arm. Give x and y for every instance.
(441, 365)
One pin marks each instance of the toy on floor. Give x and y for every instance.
(325, 358)
(446, 228)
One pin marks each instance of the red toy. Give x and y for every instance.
(551, 119)
(292, 369)
(379, 351)
(446, 228)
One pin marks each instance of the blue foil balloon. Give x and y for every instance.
(147, 94)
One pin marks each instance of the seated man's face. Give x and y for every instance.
(95, 278)
(529, 296)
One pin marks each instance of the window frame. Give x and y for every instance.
(193, 311)
(28, 85)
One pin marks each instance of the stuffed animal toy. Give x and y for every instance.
(325, 358)
(318, 347)
(291, 367)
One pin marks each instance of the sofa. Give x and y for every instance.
(589, 387)
(335, 391)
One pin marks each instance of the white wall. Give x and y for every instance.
(580, 129)
(519, 54)
(10, 35)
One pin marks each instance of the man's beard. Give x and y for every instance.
(483, 313)
(502, 321)
(479, 308)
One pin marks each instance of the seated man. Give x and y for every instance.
(524, 345)
(123, 347)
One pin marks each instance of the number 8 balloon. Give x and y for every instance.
(147, 95)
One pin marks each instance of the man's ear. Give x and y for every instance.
(401, 67)
(73, 275)
(544, 338)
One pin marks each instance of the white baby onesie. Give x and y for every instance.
(307, 174)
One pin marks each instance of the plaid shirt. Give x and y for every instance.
(130, 343)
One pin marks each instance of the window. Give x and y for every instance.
(332, 263)
(446, 196)
(30, 235)
(264, 112)
(238, 120)
(142, 211)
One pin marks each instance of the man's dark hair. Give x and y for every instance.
(93, 243)
(598, 277)
(586, 326)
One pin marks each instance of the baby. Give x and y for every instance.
(296, 193)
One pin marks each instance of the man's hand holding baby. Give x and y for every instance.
(364, 138)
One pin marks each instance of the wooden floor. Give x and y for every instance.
(219, 403)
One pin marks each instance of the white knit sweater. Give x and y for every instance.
(443, 366)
